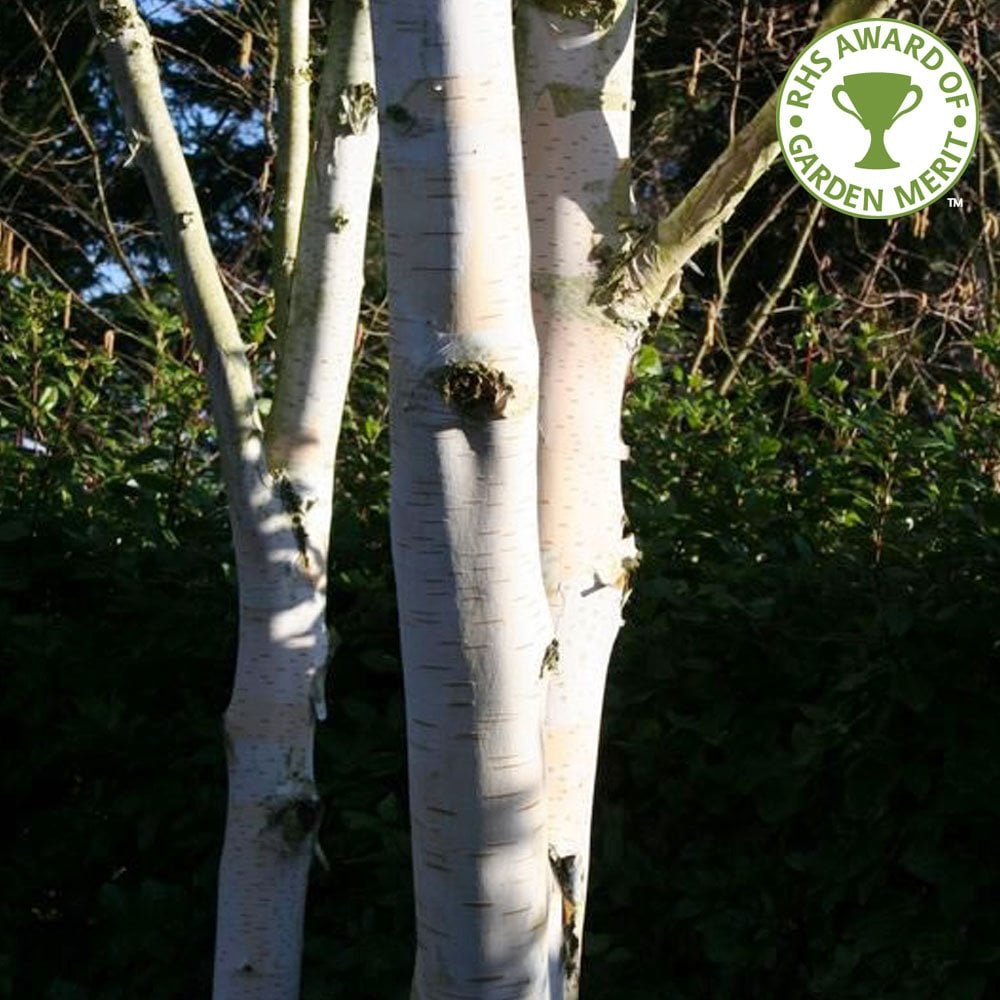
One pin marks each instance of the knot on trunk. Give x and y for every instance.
(112, 18)
(622, 259)
(357, 105)
(475, 390)
(296, 506)
(296, 820)
(550, 658)
(567, 875)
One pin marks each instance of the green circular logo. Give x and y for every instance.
(878, 118)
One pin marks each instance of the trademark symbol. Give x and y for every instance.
(955, 202)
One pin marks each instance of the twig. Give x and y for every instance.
(763, 312)
(95, 156)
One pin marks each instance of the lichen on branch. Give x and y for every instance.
(112, 17)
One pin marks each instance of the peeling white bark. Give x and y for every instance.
(473, 616)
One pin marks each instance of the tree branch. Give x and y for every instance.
(293, 148)
(315, 351)
(712, 201)
(128, 50)
(765, 308)
(95, 156)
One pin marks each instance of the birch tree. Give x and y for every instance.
(520, 286)
(279, 484)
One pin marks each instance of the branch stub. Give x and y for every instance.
(475, 390)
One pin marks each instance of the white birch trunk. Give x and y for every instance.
(316, 349)
(576, 84)
(284, 647)
(473, 616)
(576, 81)
(280, 515)
(273, 808)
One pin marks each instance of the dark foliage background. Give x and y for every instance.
(799, 786)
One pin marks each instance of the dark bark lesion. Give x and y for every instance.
(296, 820)
(550, 659)
(296, 508)
(111, 17)
(475, 390)
(357, 104)
(566, 871)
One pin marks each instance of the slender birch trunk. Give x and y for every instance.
(279, 498)
(279, 692)
(595, 284)
(473, 617)
(576, 84)
(316, 349)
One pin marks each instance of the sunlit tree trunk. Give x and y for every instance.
(510, 552)
(279, 490)
(473, 616)
(278, 693)
(576, 85)
(597, 276)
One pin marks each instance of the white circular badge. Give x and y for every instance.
(878, 118)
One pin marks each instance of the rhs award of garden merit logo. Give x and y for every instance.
(878, 118)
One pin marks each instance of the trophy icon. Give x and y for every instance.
(878, 100)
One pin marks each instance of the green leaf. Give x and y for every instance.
(822, 373)
(647, 362)
(769, 447)
(48, 398)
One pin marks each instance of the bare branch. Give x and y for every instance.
(95, 156)
(10, 237)
(128, 49)
(711, 202)
(765, 309)
(292, 148)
